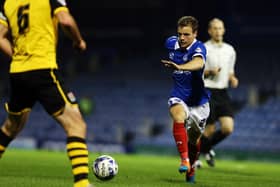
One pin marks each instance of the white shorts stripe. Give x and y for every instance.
(198, 114)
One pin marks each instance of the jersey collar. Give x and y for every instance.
(177, 46)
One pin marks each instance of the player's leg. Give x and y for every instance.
(195, 125)
(210, 127)
(178, 114)
(193, 154)
(10, 129)
(18, 109)
(62, 105)
(75, 128)
(194, 134)
(206, 144)
(227, 126)
(180, 135)
(215, 138)
(224, 112)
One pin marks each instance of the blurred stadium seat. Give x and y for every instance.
(133, 100)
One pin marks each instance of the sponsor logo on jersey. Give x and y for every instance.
(181, 72)
(171, 55)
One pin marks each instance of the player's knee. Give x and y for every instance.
(72, 122)
(227, 125)
(209, 130)
(178, 115)
(227, 130)
(179, 118)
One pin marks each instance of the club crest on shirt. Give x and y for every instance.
(71, 96)
(198, 50)
(171, 55)
(185, 57)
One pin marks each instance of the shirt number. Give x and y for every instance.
(23, 19)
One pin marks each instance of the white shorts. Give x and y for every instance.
(197, 114)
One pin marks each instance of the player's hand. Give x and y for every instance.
(170, 64)
(80, 46)
(234, 82)
(215, 71)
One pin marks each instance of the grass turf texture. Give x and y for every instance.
(25, 168)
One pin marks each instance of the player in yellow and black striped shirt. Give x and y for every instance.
(34, 74)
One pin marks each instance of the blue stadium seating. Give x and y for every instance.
(134, 100)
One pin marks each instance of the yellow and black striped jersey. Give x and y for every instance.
(34, 32)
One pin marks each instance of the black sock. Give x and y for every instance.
(217, 137)
(4, 142)
(193, 152)
(205, 145)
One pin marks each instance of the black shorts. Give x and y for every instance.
(45, 86)
(220, 105)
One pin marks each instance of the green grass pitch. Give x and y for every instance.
(25, 168)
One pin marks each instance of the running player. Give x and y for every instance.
(188, 102)
(219, 75)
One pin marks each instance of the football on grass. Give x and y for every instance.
(105, 167)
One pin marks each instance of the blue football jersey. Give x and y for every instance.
(188, 85)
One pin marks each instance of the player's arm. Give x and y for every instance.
(209, 70)
(195, 64)
(233, 80)
(70, 28)
(5, 44)
(212, 72)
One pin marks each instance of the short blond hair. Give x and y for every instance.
(214, 20)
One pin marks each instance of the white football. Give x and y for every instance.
(105, 167)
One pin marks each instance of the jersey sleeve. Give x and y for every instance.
(207, 63)
(58, 5)
(232, 62)
(171, 42)
(200, 50)
(3, 18)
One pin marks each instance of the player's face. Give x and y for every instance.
(186, 36)
(217, 31)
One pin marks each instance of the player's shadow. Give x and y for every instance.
(230, 172)
(182, 182)
(172, 180)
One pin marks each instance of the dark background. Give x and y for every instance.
(146, 21)
(122, 33)
(137, 29)
(121, 77)
(123, 30)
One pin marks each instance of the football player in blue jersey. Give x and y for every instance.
(188, 101)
